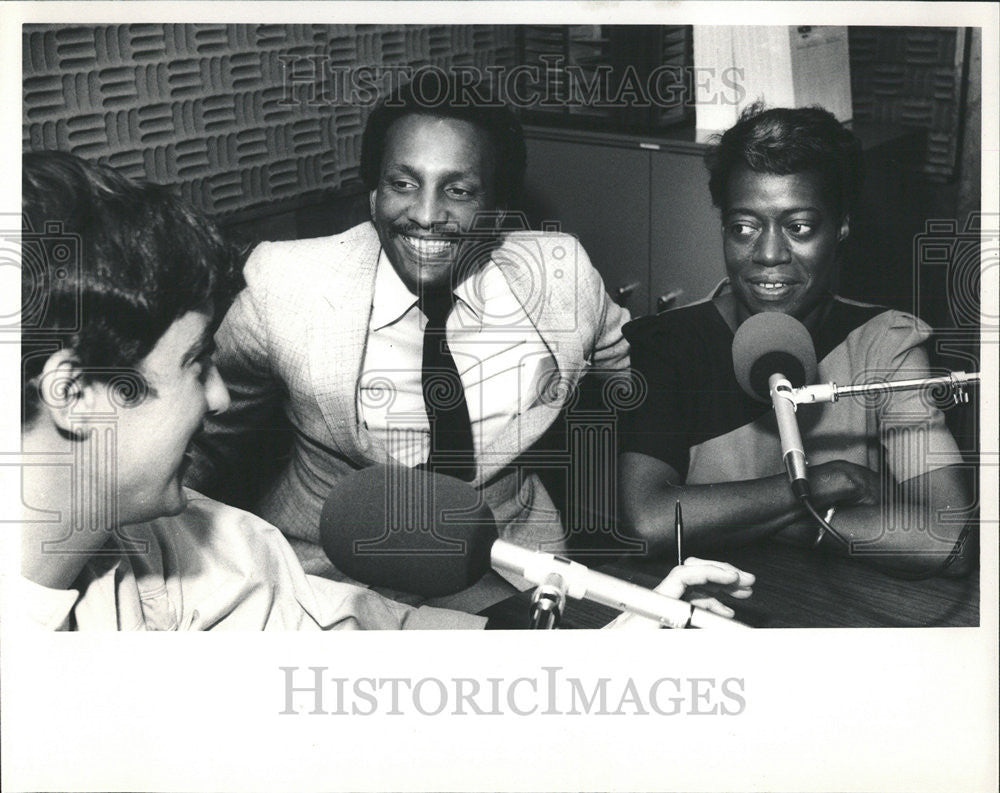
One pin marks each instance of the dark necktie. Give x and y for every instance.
(444, 396)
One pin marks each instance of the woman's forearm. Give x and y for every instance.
(915, 529)
(715, 515)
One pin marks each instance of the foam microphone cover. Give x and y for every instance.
(772, 342)
(408, 529)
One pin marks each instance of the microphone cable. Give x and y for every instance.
(824, 524)
(902, 575)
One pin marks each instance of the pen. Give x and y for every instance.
(679, 532)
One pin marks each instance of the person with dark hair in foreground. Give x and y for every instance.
(429, 336)
(885, 472)
(117, 378)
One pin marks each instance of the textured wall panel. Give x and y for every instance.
(911, 76)
(210, 108)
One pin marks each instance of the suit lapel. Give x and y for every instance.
(552, 311)
(554, 314)
(336, 343)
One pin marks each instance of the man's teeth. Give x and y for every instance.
(775, 285)
(427, 247)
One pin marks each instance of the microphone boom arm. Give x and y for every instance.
(956, 382)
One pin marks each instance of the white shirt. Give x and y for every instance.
(502, 360)
(213, 567)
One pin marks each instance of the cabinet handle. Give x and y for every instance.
(667, 300)
(625, 292)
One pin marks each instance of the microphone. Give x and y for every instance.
(580, 581)
(408, 529)
(430, 534)
(773, 355)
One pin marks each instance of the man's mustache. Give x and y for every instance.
(483, 224)
(442, 231)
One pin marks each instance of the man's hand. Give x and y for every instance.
(698, 578)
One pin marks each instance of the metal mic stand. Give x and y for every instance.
(547, 603)
(955, 382)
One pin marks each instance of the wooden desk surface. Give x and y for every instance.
(795, 588)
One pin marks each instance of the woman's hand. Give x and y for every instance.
(841, 482)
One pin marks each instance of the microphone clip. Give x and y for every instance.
(781, 388)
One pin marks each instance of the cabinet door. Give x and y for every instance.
(685, 230)
(600, 194)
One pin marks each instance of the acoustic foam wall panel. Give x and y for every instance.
(912, 77)
(236, 116)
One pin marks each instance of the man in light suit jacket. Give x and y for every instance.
(330, 330)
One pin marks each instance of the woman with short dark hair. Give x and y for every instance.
(786, 182)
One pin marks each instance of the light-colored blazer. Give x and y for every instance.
(296, 337)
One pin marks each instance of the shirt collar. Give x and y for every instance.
(392, 301)
(468, 293)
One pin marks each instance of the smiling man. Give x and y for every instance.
(429, 336)
(887, 474)
(437, 174)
